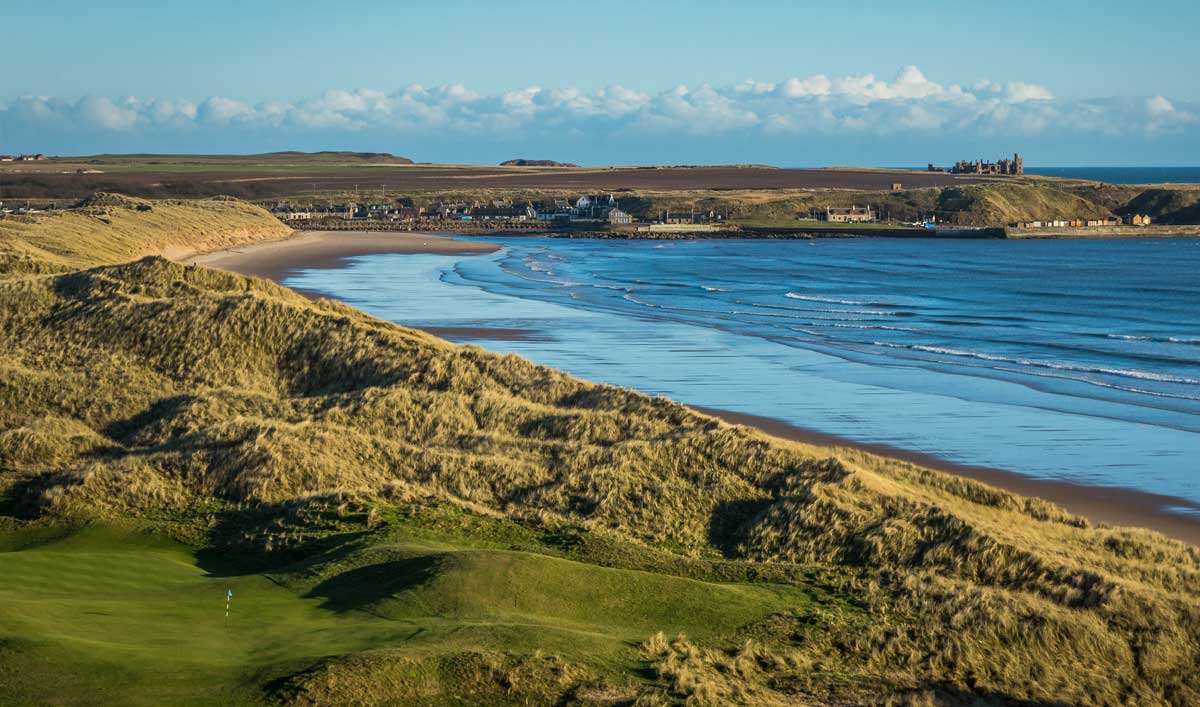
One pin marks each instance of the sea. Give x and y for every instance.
(1070, 360)
(1123, 175)
(1117, 175)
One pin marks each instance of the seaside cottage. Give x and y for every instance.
(679, 217)
(556, 210)
(618, 217)
(853, 214)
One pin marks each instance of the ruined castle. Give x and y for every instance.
(1014, 167)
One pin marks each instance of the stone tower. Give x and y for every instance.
(1018, 164)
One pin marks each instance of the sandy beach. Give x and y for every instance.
(328, 249)
(319, 249)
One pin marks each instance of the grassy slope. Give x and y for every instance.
(1168, 206)
(990, 204)
(112, 229)
(412, 522)
(1010, 203)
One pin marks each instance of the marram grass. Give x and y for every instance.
(413, 522)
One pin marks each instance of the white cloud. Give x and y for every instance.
(104, 113)
(222, 110)
(817, 85)
(1019, 92)
(1158, 105)
(919, 118)
(816, 105)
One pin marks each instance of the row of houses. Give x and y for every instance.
(590, 208)
(23, 158)
(21, 209)
(1129, 220)
(401, 211)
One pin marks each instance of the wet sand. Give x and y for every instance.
(328, 249)
(459, 334)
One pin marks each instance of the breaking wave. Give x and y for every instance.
(1059, 366)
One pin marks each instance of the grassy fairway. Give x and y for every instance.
(104, 615)
(101, 616)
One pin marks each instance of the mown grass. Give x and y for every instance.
(535, 527)
(140, 620)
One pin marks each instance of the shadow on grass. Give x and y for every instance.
(286, 537)
(360, 588)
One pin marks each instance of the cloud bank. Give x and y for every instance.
(813, 115)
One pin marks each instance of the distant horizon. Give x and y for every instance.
(582, 164)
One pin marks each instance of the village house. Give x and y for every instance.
(503, 211)
(617, 217)
(852, 214)
(1137, 220)
(401, 212)
(292, 213)
(555, 210)
(594, 206)
(1071, 223)
(680, 217)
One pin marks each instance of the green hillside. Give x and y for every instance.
(404, 521)
(989, 204)
(1170, 206)
(1011, 203)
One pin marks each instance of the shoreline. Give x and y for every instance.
(1120, 506)
(273, 260)
(1112, 505)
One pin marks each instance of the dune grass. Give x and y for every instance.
(424, 523)
(109, 228)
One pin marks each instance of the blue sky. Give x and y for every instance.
(1066, 82)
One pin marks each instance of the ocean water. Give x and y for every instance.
(1073, 360)
(1119, 175)
(1124, 175)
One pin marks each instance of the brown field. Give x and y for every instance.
(59, 180)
